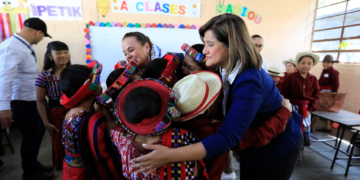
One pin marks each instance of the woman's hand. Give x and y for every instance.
(51, 128)
(160, 156)
(308, 114)
(286, 103)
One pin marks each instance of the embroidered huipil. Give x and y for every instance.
(329, 79)
(50, 82)
(124, 141)
(70, 138)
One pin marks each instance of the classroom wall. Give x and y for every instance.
(286, 28)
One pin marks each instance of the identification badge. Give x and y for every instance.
(326, 75)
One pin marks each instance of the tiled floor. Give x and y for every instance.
(315, 165)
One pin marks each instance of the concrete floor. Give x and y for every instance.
(314, 166)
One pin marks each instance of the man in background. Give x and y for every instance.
(19, 69)
(259, 44)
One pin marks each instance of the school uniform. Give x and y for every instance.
(329, 80)
(303, 94)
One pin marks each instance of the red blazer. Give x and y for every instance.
(330, 77)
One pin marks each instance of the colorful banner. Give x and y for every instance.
(161, 7)
(11, 23)
(61, 10)
(240, 11)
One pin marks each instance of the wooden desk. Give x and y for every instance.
(345, 119)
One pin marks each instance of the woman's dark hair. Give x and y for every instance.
(55, 46)
(140, 37)
(141, 103)
(113, 76)
(155, 68)
(72, 78)
(306, 56)
(199, 48)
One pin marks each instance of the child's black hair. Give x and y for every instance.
(199, 48)
(49, 63)
(141, 103)
(72, 78)
(155, 68)
(113, 76)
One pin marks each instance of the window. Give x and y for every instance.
(337, 30)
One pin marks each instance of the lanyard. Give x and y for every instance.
(32, 51)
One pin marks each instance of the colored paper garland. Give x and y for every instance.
(11, 23)
(124, 24)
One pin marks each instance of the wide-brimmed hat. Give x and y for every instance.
(275, 71)
(149, 126)
(105, 98)
(307, 53)
(289, 61)
(90, 85)
(196, 93)
(329, 58)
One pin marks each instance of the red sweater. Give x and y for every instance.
(297, 88)
(330, 77)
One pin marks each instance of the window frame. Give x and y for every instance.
(342, 38)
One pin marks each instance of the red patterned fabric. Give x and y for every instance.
(302, 104)
(56, 117)
(71, 173)
(100, 158)
(171, 138)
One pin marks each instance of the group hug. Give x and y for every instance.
(167, 115)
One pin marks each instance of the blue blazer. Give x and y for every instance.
(253, 97)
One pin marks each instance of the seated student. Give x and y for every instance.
(275, 73)
(302, 88)
(145, 109)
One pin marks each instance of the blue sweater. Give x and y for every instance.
(253, 98)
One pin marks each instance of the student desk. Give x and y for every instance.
(345, 119)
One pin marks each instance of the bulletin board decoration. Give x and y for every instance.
(11, 23)
(130, 25)
(103, 7)
(12, 16)
(239, 10)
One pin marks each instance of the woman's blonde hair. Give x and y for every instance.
(231, 30)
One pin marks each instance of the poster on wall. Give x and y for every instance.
(61, 10)
(186, 8)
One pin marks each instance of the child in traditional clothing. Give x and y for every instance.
(163, 69)
(145, 109)
(56, 59)
(275, 73)
(302, 88)
(329, 82)
(290, 67)
(80, 85)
